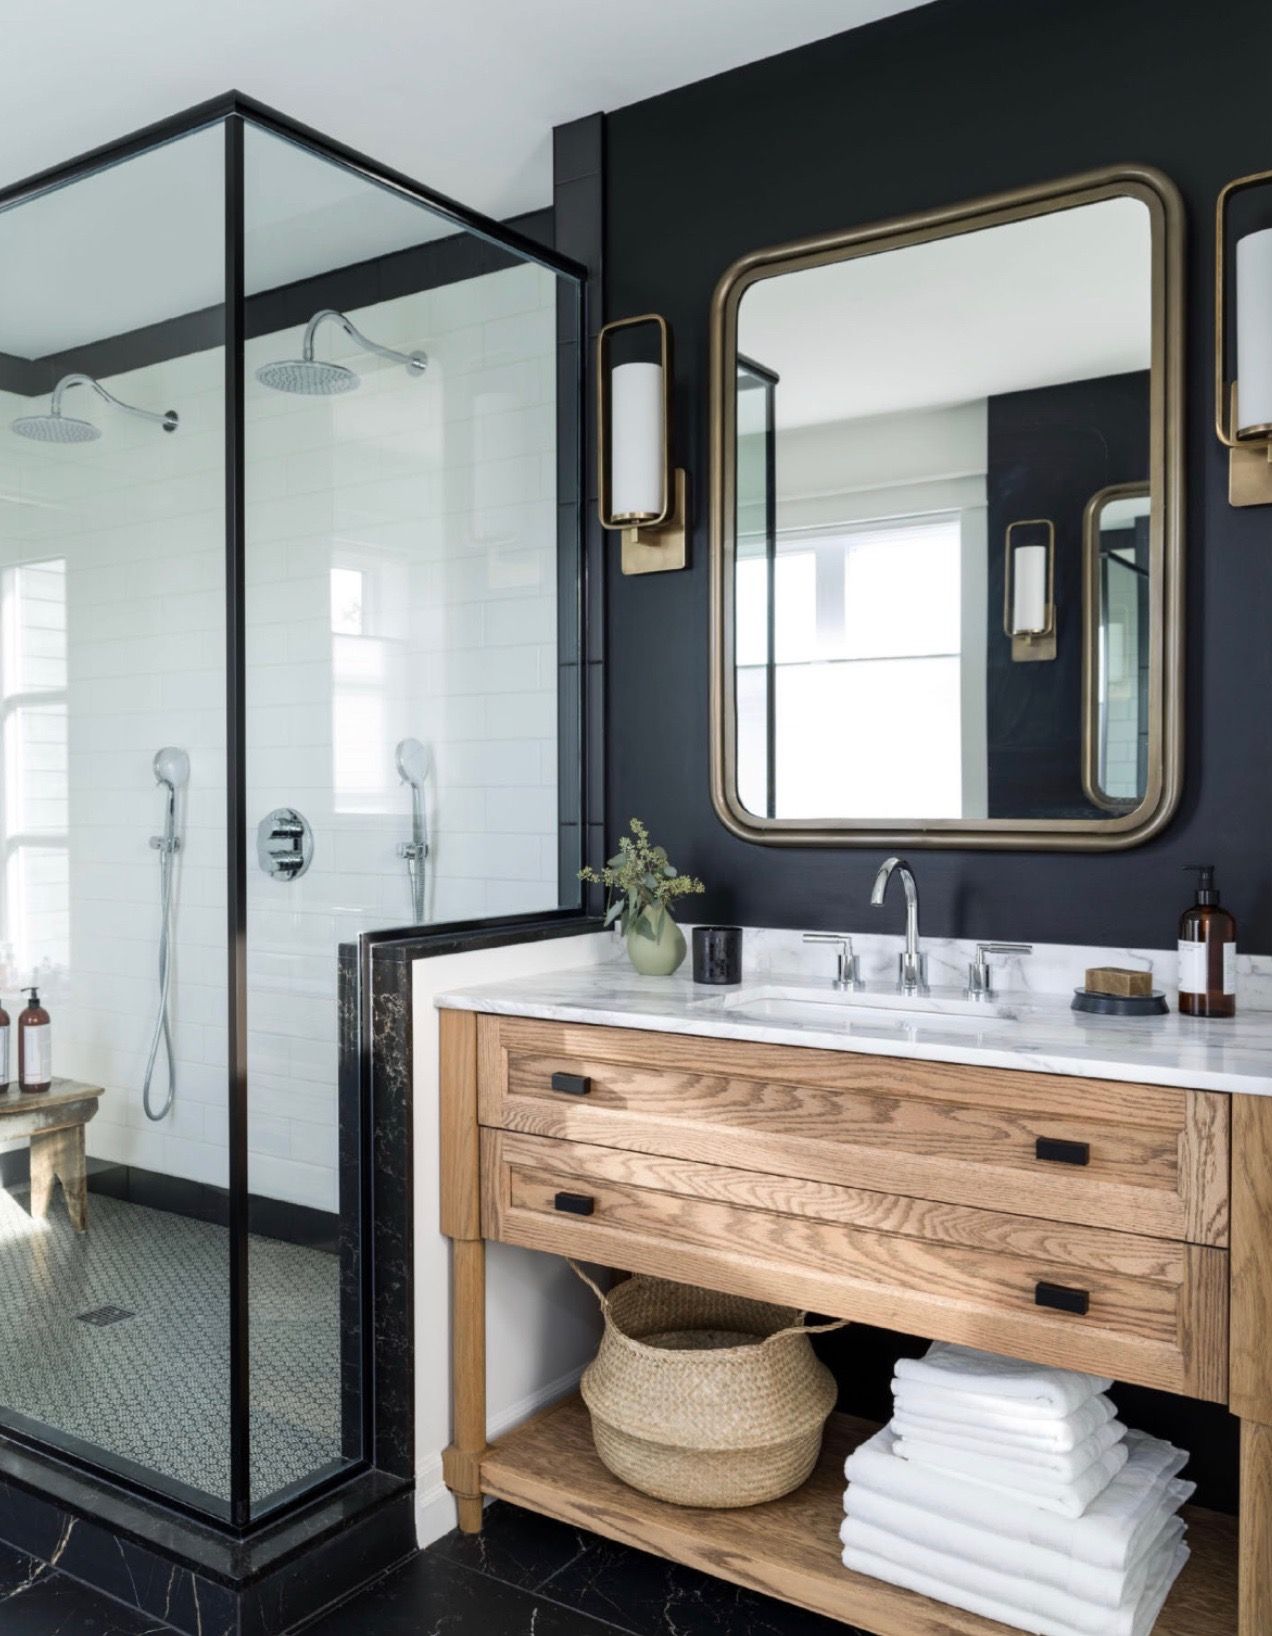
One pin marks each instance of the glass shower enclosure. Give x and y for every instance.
(289, 638)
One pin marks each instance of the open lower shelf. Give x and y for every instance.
(790, 1547)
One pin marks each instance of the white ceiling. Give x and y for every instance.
(1061, 297)
(461, 95)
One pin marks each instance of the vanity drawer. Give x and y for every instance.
(1137, 1158)
(1139, 1309)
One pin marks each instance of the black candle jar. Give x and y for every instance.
(717, 954)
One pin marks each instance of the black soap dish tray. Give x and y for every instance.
(1121, 1005)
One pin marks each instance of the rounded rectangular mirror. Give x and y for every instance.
(920, 633)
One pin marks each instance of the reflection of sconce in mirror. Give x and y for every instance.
(1243, 406)
(1029, 590)
(642, 496)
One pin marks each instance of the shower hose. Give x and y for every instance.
(167, 847)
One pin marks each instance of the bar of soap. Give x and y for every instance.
(1118, 980)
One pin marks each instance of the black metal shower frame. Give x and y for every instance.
(234, 111)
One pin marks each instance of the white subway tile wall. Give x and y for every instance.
(401, 572)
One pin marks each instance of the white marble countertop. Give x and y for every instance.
(1035, 1032)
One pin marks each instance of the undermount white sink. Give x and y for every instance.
(823, 1004)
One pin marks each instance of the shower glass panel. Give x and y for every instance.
(290, 611)
(115, 1339)
(402, 570)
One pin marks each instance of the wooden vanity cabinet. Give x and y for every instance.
(1082, 1222)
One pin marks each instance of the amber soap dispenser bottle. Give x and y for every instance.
(1207, 952)
(35, 1048)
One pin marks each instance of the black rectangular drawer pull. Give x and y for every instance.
(576, 1204)
(572, 1084)
(1062, 1153)
(1064, 1300)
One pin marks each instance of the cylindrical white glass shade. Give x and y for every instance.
(1029, 590)
(637, 462)
(1254, 331)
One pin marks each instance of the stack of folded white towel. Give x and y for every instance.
(1014, 1492)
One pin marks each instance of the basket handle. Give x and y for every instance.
(591, 1284)
(793, 1329)
(807, 1329)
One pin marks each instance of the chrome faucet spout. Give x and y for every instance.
(912, 964)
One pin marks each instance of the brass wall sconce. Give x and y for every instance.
(641, 495)
(1243, 406)
(1029, 590)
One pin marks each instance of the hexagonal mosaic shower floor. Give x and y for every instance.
(120, 1336)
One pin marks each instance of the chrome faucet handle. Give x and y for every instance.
(980, 985)
(847, 974)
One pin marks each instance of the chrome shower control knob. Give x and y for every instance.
(284, 844)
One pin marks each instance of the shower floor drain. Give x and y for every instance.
(99, 1317)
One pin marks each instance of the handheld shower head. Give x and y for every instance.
(310, 377)
(415, 765)
(55, 427)
(172, 767)
(414, 762)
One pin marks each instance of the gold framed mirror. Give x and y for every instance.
(910, 425)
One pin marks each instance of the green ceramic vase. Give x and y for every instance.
(661, 954)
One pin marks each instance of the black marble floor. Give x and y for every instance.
(37, 1600)
(523, 1576)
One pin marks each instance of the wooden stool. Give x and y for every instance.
(54, 1121)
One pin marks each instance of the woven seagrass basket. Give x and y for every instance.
(702, 1398)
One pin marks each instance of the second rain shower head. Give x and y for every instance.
(312, 377)
(55, 427)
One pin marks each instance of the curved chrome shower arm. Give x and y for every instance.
(168, 419)
(415, 362)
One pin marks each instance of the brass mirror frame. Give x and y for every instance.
(1166, 536)
(1091, 610)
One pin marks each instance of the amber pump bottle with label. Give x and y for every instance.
(35, 1049)
(4, 1049)
(1207, 952)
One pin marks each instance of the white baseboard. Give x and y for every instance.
(434, 1507)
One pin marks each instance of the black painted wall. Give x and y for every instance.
(953, 100)
(1048, 451)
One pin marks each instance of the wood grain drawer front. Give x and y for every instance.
(1156, 1158)
(1152, 1311)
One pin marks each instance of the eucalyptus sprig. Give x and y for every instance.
(640, 883)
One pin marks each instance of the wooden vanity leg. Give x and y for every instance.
(1250, 1354)
(1254, 1558)
(461, 1222)
(468, 1379)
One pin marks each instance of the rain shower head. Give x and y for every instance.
(414, 762)
(172, 767)
(55, 427)
(310, 377)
